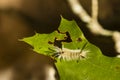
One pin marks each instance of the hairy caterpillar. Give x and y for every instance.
(68, 54)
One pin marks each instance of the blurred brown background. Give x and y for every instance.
(22, 18)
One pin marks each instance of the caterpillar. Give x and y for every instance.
(68, 54)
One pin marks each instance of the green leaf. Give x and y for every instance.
(81, 60)
(41, 42)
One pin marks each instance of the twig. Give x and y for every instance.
(92, 22)
(94, 9)
(79, 11)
